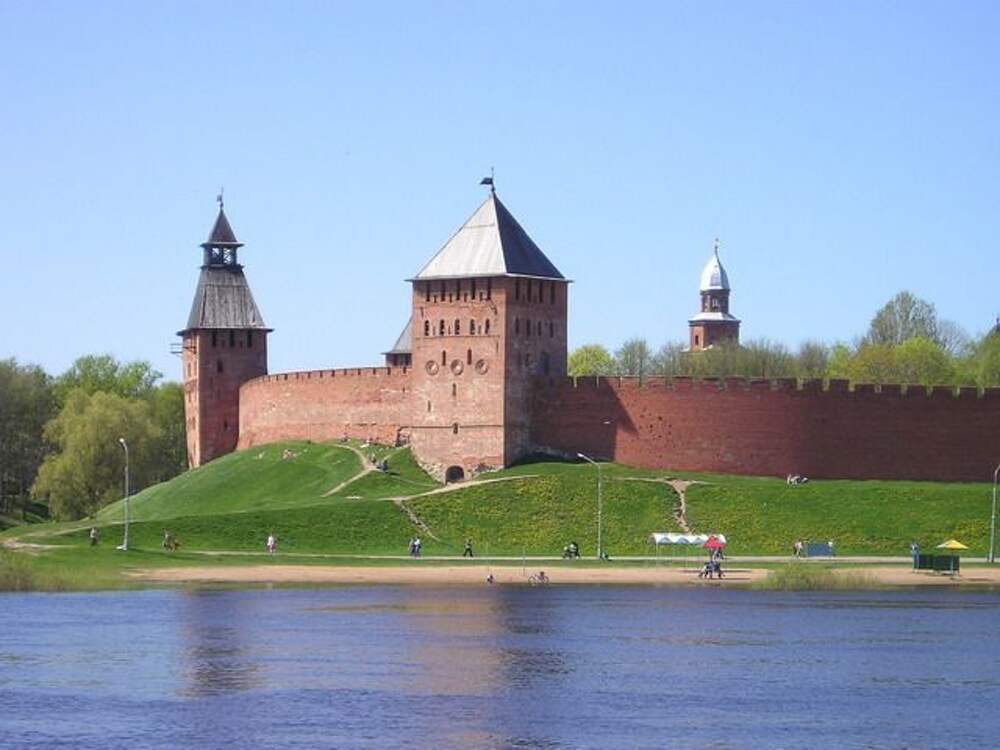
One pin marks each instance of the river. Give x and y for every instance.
(508, 667)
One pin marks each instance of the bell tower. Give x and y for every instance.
(223, 345)
(713, 324)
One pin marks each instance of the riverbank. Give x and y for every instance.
(475, 575)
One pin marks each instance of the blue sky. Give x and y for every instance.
(841, 151)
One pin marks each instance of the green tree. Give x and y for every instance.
(85, 472)
(982, 366)
(922, 361)
(102, 372)
(669, 361)
(812, 360)
(170, 450)
(633, 358)
(903, 317)
(26, 404)
(590, 359)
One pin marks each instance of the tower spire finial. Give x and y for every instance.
(219, 198)
(489, 181)
(716, 247)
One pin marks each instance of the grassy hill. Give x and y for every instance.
(324, 498)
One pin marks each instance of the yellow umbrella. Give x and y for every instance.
(952, 544)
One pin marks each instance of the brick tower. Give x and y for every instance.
(488, 317)
(224, 345)
(713, 324)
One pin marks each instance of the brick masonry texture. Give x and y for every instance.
(774, 428)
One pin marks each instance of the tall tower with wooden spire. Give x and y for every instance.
(224, 345)
(713, 324)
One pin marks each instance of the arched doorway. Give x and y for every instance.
(454, 474)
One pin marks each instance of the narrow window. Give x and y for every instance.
(527, 328)
(454, 390)
(232, 338)
(487, 326)
(458, 327)
(529, 290)
(215, 339)
(468, 357)
(473, 289)
(454, 429)
(444, 358)
(517, 325)
(517, 289)
(539, 329)
(428, 406)
(218, 366)
(458, 290)
(427, 328)
(441, 328)
(427, 292)
(225, 425)
(489, 288)
(249, 339)
(472, 327)
(442, 291)
(545, 362)
(552, 293)
(696, 339)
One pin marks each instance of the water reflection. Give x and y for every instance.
(216, 650)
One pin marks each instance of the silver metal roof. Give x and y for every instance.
(713, 317)
(223, 300)
(404, 343)
(714, 277)
(490, 243)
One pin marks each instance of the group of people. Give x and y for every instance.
(170, 542)
(713, 568)
(415, 546)
(571, 551)
(799, 549)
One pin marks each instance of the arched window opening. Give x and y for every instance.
(427, 292)
(696, 339)
(427, 328)
(444, 358)
(468, 357)
(487, 326)
(458, 327)
(454, 473)
(454, 428)
(473, 282)
(454, 390)
(472, 327)
(715, 303)
(428, 406)
(539, 330)
(441, 328)
(442, 291)
(527, 328)
(489, 288)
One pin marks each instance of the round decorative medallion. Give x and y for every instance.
(432, 367)
(457, 366)
(482, 366)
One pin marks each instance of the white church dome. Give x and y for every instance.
(714, 276)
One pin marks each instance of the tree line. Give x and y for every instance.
(906, 342)
(59, 434)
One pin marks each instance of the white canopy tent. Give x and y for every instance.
(693, 539)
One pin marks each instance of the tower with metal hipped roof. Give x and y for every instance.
(488, 318)
(713, 324)
(223, 345)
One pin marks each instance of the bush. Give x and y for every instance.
(806, 577)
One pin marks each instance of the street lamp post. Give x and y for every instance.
(993, 518)
(600, 502)
(124, 544)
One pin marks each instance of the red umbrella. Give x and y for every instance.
(713, 543)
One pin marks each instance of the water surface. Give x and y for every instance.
(552, 668)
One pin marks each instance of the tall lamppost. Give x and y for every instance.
(993, 518)
(124, 544)
(599, 502)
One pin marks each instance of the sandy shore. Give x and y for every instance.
(475, 575)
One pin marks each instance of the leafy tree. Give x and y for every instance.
(922, 361)
(102, 372)
(26, 404)
(903, 317)
(669, 361)
(633, 358)
(812, 360)
(170, 450)
(85, 472)
(982, 366)
(591, 359)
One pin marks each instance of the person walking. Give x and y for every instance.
(915, 553)
(467, 552)
(271, 544)
(93, 536)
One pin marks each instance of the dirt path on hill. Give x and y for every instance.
(400, 503)
(367, 467)
(679, 512)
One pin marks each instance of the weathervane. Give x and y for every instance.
(489, 181)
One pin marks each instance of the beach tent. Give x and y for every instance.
(713, 543)
(952, 544)
(692, 539)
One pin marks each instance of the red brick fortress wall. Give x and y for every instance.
(362, 402)
(774, 427)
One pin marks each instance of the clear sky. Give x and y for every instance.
(842, 151)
